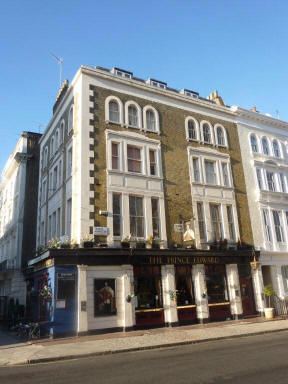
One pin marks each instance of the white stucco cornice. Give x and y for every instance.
(166, 93)
(208, 151)
(247, 117)
(132, 135)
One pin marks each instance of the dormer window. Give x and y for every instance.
(121, 73)
(187, 92)
(157, 84)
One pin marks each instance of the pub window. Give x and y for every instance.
(216, 284)
(104, 297)
(184, 287)
(147, 285)
(65, 286)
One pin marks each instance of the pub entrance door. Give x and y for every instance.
(246, 288)
(148, 294)
(186, 307)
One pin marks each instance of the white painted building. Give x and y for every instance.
(263, 142)
(18, 180)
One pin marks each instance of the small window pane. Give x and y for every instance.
(201, 221)
(220, 136)
(206, 133)
(253, 142)
(114, 114)
(155, 217)
(276, 149)
(132, 116)
(210, 172)
(116, 214)
(192, 134)
(265, 146)
(150, 120)
(152, 159)
(115, 156)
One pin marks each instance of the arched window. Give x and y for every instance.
(206, 133)
(192, 133)
(254, 145)
(133, 116)
(150, 120)
(57, 140)
(46, 157)
(276, 149)
(114, 112)
(52, 147)
(70, 120)
(265, 146)
(220, 136)
(62, 131)
(192, 128)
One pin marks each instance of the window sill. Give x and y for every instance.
(149, 310)
(124, 173)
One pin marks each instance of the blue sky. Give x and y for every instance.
(238, 47)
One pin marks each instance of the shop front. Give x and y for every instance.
(111, 289)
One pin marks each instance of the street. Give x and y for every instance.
(255, 359)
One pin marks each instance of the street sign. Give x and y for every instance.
(178, 227)
(100, 231)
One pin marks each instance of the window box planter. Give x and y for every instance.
(140, 245)
(125, 244)
(88, 244)
(155, 245)
(65, 246)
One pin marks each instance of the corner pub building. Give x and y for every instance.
(154, 176)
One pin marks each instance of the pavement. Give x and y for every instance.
(13, 352)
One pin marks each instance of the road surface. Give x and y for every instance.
(255, 359)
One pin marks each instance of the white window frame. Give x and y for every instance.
(268, 145)
(199, 169)
(70, 125)
(156, 115)
(278, 148)
(219, 126)
(149, 162)
(207, 160)
(107, 114)
(196, 124)
(69, 174)
(135, 145)
(139, 114)
(204, 122)
(250, 143)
